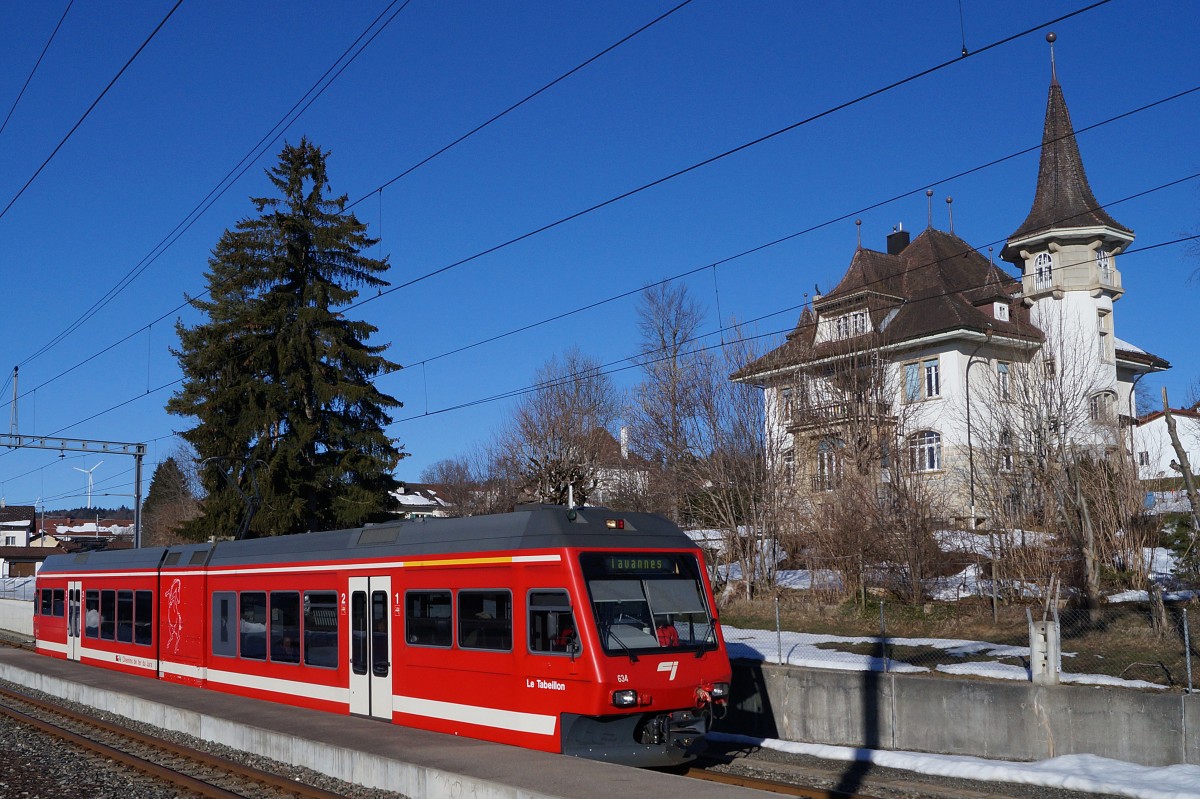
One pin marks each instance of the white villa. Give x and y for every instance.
(968, 369)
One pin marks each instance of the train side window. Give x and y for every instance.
(552, 627)
(224, 623)
(91, 614)
(58, 602)
(47, 607)
(143, 617)
(125, 617)
(485, 620)
(252, 625)
(108, 615)
(321, 629)
(427, 618)
(285, 626)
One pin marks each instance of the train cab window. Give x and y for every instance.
(485, 620)
(91, 614)
(252, 625)
(648, 601)
(125, 617)
(224, 623)
(552, 627)
(427, 618)
(58, 602)
(47, 603)
(108, 615)
(143, 617)
(321, 629)
(285, 626)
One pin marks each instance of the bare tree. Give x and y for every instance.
(668, 399)
(558, 431)
(173, 499)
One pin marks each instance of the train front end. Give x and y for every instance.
(662, 668)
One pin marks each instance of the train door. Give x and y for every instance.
(371, 646)
(73, 598)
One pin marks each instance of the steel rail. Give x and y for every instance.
(197, 757)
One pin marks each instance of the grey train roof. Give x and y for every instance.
(529, 527)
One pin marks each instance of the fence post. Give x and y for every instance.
(778, 631)
(1044, 648)
(1187, 649)
(883, 638)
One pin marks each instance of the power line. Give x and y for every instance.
(518, 104)
(36, 64)
(90, 108)
(230, 178)
(713, 159)
(632, 361)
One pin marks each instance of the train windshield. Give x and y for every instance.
(646, 602)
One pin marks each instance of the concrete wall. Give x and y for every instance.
(16, 615)
(1005, 720)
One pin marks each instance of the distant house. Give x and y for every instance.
(619, 472)
(1152, 450)
(17, 525)
(418, 500)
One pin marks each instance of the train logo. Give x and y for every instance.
(174, 616)
(669, 665)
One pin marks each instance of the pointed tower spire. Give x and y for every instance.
(1063, 198)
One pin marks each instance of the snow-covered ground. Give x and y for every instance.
(1085, 773)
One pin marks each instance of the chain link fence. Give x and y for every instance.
(17, 588)
(1118, 645)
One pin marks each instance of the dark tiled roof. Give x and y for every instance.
(936, 284)
(1063, 197)
(17, 513)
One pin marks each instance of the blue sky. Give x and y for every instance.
(708, 78)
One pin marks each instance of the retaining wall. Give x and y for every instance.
(1003, 720)
(16, 615)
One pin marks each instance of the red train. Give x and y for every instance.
(583, 631)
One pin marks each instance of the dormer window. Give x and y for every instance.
(1042, 266)
(855, 323)
(1000, 311)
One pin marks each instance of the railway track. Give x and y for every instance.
(188, 770)
(771, 786)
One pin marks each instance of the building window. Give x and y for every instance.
(922, 380)
(1000, 311)
(925, 451)
(1143, 458)
(1003, 389)
(1100, 406)
(1006, 451)
(1042, 271)
(1104, 266)
(1104, 325)
(829, 464)
(855, 323)
(1049, 370)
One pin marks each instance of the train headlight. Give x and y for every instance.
(626, 698)
(720, 690)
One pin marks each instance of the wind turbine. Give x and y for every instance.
(88, 472)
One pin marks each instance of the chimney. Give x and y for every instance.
(624, 443)
(897, 240)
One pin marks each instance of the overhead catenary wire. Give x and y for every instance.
(626, 294)
(230, 178)
(720, 156)
(37, 63)
(1119, 201)
(89, 110)
(544, 228)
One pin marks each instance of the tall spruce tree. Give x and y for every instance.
(281, 383)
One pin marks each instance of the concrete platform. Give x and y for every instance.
(416, 763)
